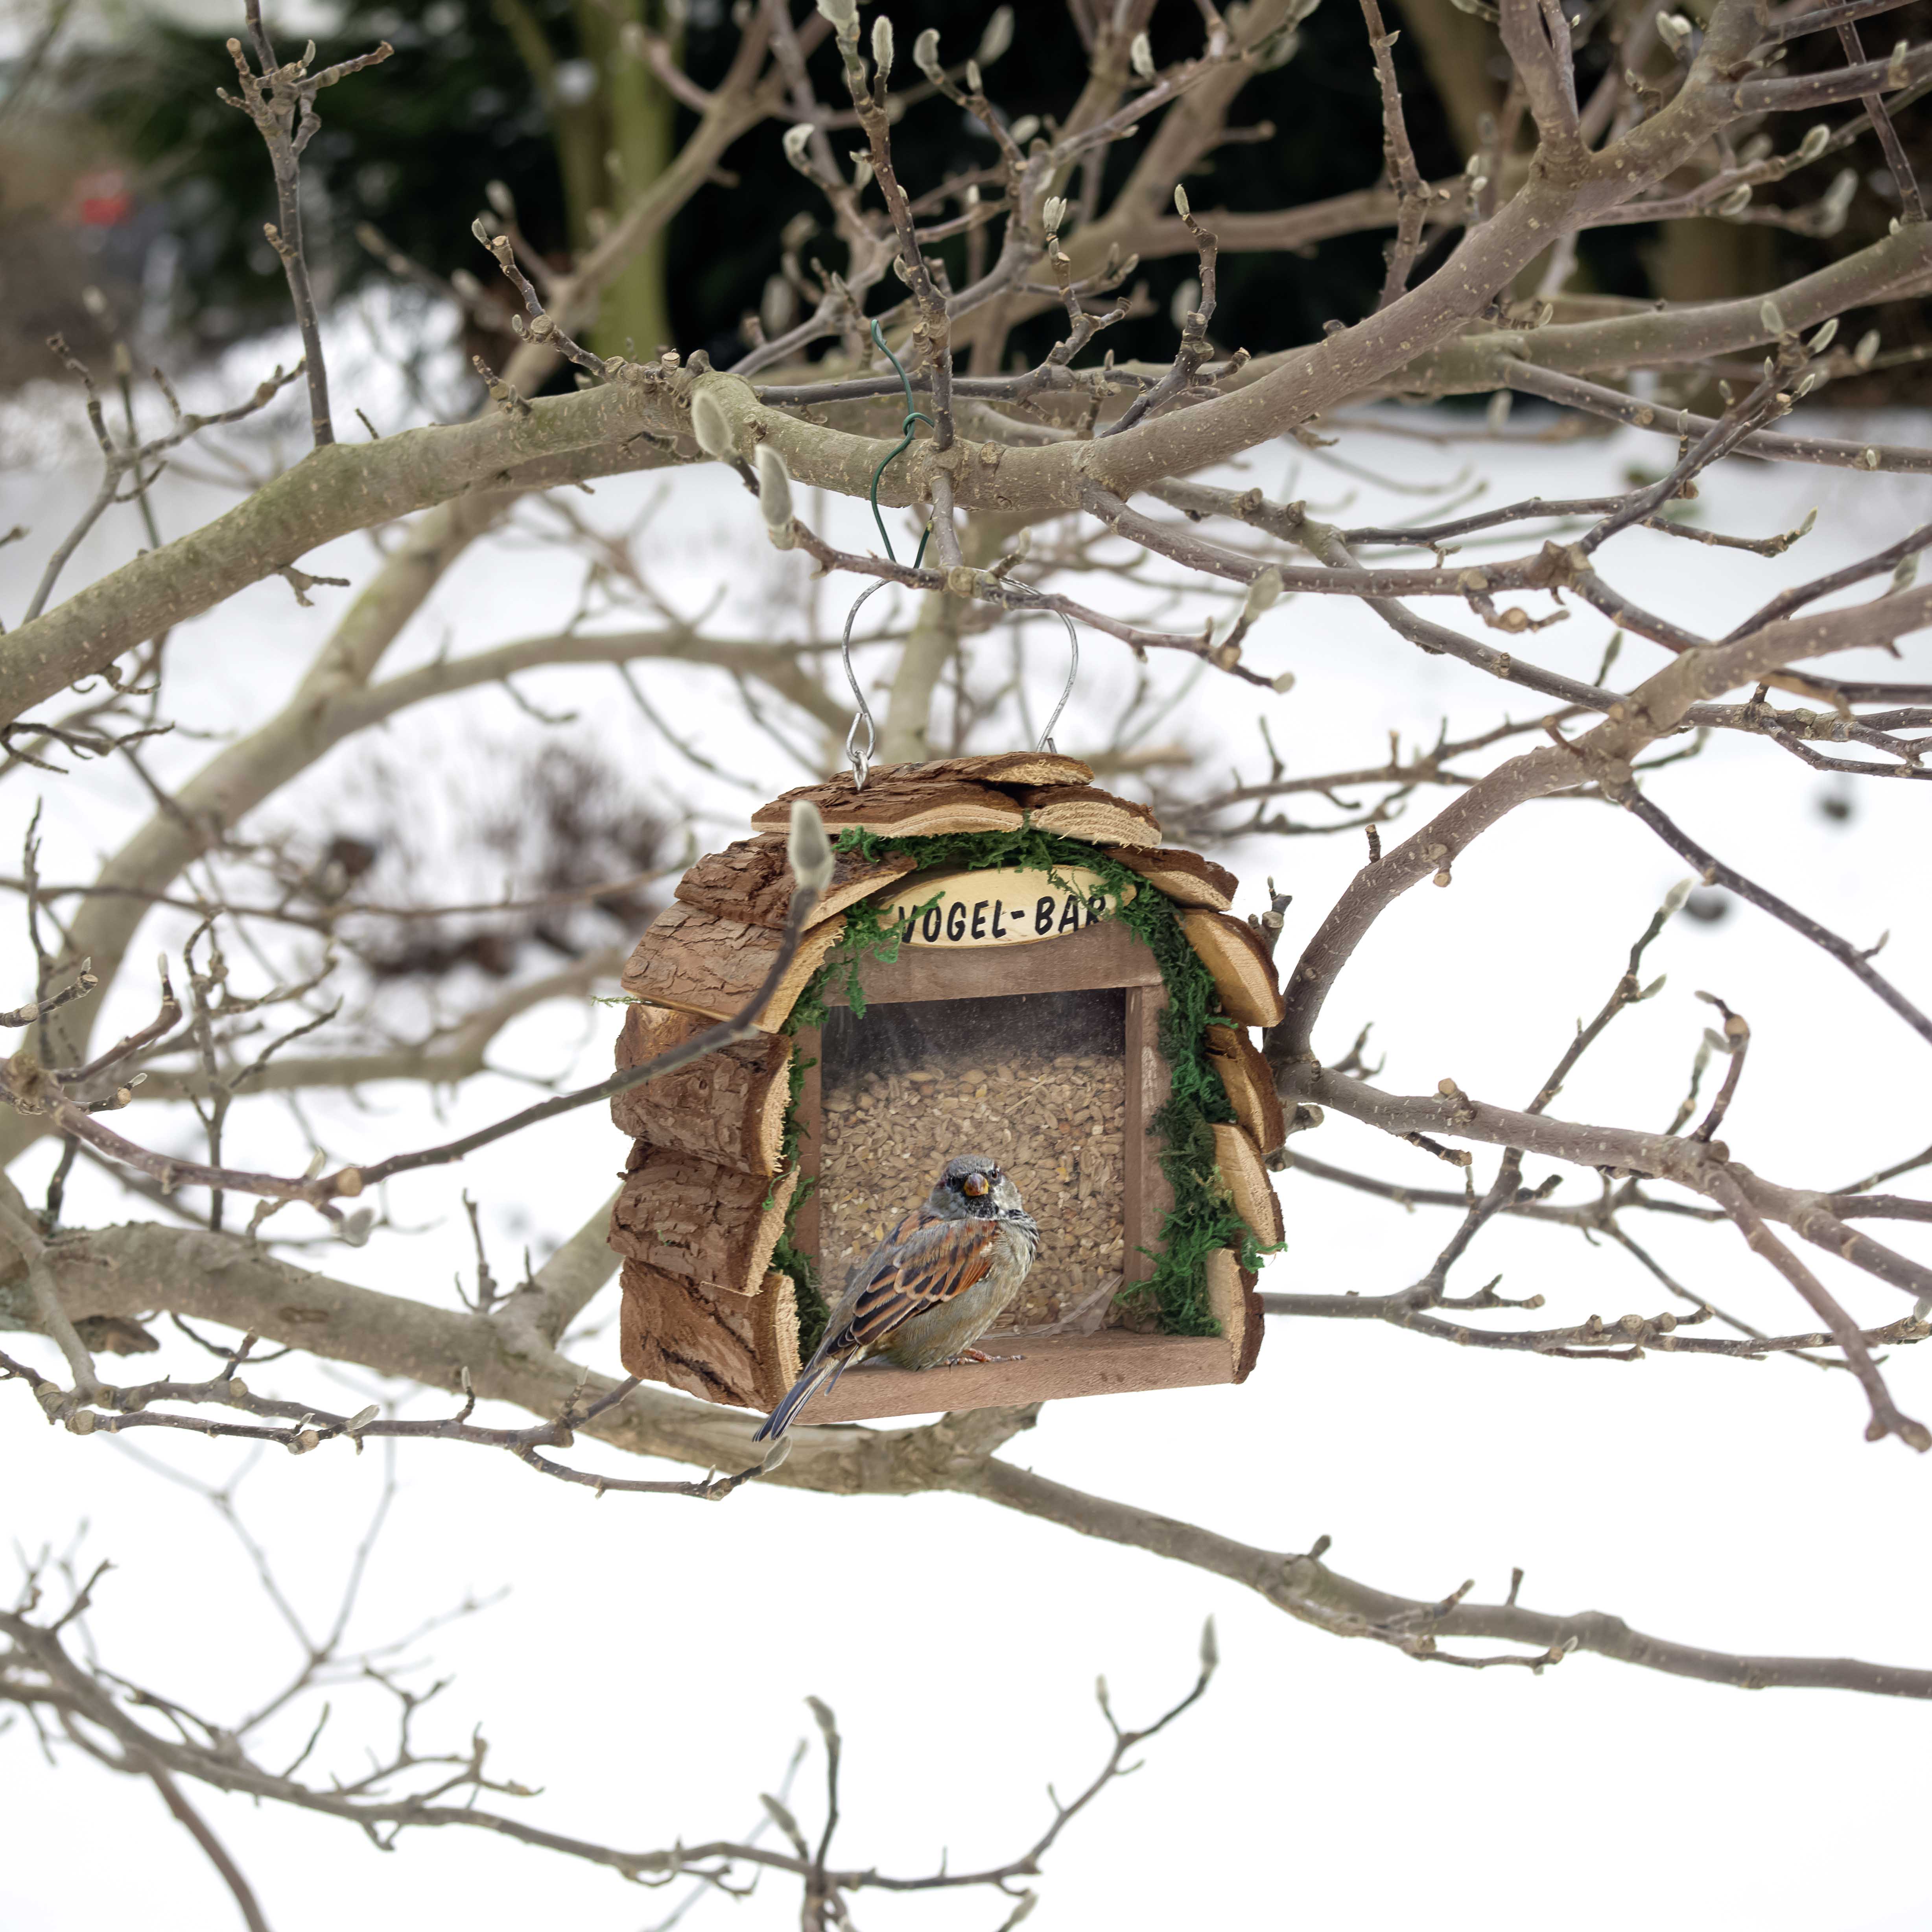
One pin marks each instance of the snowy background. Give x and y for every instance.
(645, 1665)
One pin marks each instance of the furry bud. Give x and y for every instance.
(1024, 129)
(1053, 212)
(926, 56)
(1141, 54)
(882, 45)
(1672, 29)
(1771, 317)
(774, 492)
(1836, 203)
(796, 140)
(1867, 349)
(1816, 141)
(1823, 340)
(997, 38)
(844, 15)
(711, 425)
(1182, 206)
(1737, 201)
(974, 84)
(808, 850)
(1265, 590)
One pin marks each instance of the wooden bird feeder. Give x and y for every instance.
(1021, 1017)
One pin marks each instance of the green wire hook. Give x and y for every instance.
(905, 442)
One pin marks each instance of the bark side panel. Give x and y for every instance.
(728, 1107)
(701, 1222)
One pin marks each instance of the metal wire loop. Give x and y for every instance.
(861, 761)
(860, 757)
(1046, 743)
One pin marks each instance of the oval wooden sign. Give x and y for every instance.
(998, 905)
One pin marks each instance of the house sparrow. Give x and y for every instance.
(942, 1277)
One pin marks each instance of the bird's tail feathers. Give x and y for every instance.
(818, 1376)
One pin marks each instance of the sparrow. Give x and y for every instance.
(922, 1298)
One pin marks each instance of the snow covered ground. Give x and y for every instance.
(646, 1667)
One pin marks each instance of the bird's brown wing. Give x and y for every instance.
(928, 1261)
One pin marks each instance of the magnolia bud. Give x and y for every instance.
(1024, 129)
(1261, 593)
(1053, 212)
(926, 56)
(1141, 54)
(998, 36)
(808, 850)
(882, 45)
(1822, 340)
(1737, 201)
(844, 15)
(711, 425)
(796, 140)
(774, 490)
(1867, 349)
(1673, 900)
(1816, 140)
(1770, 316)
(1182, 206)
(1672, 29)
(974, 84)
(778, 307)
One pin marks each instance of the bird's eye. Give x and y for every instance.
(975, 1185)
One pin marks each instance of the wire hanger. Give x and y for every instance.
(860, 756)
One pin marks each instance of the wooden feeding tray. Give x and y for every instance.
(1020, 1018)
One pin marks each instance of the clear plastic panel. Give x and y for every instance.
(1036, 1082)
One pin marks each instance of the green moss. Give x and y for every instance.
(1202, 1219)
(787, 1257)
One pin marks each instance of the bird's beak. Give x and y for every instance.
(976, 1185)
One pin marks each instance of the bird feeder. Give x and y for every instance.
(967, 987)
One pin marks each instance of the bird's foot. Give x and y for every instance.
(973, 1355)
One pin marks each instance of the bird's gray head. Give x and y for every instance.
(974, 1185)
